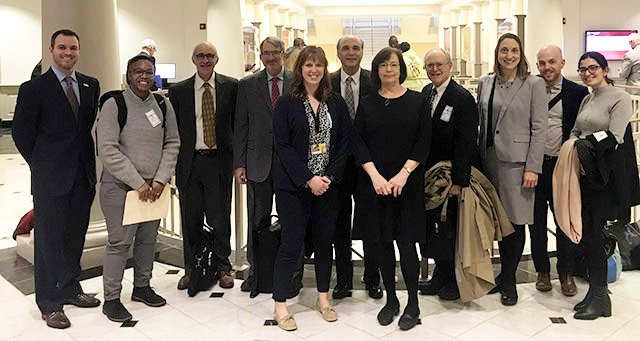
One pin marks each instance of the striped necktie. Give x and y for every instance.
(208, 117)
(348, 97)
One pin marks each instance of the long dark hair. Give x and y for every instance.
(601, 60)
(323, 92)
(523, 65)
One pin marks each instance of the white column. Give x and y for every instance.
(259, 16)
(476, 18)
(274, 19)
(454, 41)
(548, 12)
(249, 15)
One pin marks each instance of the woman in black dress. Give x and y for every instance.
(311, 130)
(393, 143)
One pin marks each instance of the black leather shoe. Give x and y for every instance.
(431, 288)
(599, 305)
(147, 296)
(408, 320)
(247, 285)
(82, 300)
(115, 311)
(57, 320)
(585, 301)
(374, 291)
(340, 292)
(387, 313)
(449, 292)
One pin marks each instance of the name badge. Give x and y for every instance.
(446, 113)
(319, 148)
(153, 118)
(600, 135)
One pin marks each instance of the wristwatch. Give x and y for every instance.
(408, 169)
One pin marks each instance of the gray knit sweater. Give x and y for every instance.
(140, 152)
(606, 108)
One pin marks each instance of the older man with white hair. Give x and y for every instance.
(148, 47)
(630, 69)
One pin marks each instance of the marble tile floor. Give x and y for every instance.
(235, 316)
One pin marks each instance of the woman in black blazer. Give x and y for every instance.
(311, 129)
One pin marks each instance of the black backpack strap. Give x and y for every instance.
(555, 100)
(122, 106)
(163, 107)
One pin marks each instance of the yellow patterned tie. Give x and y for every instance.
(208, 117)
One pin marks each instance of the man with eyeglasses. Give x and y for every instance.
(352, 83)
(253, 143)
(630, 69)
(205, 105)
(564, 97)
(52, 127)
(455, 130)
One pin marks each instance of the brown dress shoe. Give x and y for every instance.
(226, 280)
(57, 319)
(543, 283)
(183, 283)
(83, 300)
(568, 285)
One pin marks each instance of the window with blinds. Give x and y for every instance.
(375, 33)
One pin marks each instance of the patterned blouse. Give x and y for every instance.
(319, 137)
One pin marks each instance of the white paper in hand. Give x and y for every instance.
(136, 211)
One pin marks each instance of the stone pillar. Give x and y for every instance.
(477, 65)
(295, 33)
(274, 19)
(279, 31)
(454, 41)
(227, 14)
(520, 30)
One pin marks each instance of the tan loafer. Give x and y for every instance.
(543, 283)
(328, 314)
(286, 322)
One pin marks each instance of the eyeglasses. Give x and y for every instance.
(271, 53)
(140, 72)
(591, 68)
(434, 66)
(202, 56)
(392, 65)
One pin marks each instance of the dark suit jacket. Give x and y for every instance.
(48, 136)
(291, 136)
(253, 137)
(365, 83)
(182, 97)
(457, 138)
(572, 95)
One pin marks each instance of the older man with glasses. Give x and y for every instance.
(205, 105)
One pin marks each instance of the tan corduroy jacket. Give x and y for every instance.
(481, 220)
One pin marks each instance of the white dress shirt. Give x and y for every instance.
(199, 89)
(440, 90)
(355, 86)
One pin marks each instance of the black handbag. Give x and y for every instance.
(441, 230)
(628, 237)
(204, 274)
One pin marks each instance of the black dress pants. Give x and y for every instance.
(259, 207)
(538, 231)
(207, 195)
(342, 245)
(441, 245)
(60, 228)
(597, 208)
(296, 211)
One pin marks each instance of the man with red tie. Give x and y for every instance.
(253, 139)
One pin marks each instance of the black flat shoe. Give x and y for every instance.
(147, 296)
(247, 285)
(115, 311)
(408, 321)
(374, 291)
(449, 292)
(387, 313)
(341, 292)
(509, 295)
(431, 288)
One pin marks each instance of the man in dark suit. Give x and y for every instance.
(455, 130)
(353, 83)
(564, 98)
(52, 130)
(205, 106)
(253, 140)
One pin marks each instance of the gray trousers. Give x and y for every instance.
(142, 236)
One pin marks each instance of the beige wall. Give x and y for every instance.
(21, 40)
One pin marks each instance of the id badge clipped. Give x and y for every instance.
(153, 118)
(319, 148)
(446, 113)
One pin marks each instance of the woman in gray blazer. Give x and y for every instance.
(513, 122)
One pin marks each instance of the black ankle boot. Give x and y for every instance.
(598, 305)
(585, 301)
